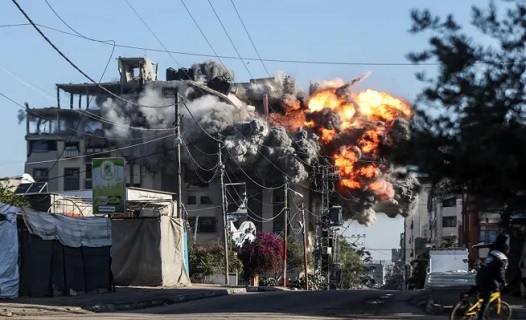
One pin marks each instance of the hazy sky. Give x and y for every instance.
(366, 32)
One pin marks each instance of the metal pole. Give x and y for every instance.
(223, 210)
(305, 262)
(195, 229)
(285, 230)
(178, 149)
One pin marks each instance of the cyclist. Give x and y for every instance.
(491, 274)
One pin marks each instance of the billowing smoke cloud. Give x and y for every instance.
(281, 91)
(358, 133)
(354, 131)
(271, 153)
(209, 70)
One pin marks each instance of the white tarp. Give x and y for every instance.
(70, 231)
(9, 277)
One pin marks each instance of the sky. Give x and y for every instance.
(359, 33)
(378, 238)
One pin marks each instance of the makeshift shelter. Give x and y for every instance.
(9, 276)
(62, 255)
(149, 252)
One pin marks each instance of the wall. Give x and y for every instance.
(417, 225)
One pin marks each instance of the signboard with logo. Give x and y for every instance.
(109, 186)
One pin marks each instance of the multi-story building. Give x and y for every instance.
(61, 143)
(446, 219)
(443, 218)
(377, 271)
(416, 228)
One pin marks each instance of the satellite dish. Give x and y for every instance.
(27, 178)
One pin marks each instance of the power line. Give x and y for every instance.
(102, 152)
(135, 158)
(201, 31)
(249, 37)
(229, 38)
(205, 55)
(32, 86)
(98, 83)
(75, 66)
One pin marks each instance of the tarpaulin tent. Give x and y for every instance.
(9, 277)
(149, 252)
(62, 255)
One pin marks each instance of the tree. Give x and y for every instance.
(469, 120)
(207, 261)
(448, 242)
(261, 256)
(8, 196)
(352, 264)
(294, 254)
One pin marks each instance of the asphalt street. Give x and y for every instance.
(340, 304)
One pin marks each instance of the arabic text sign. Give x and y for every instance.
(109, 186)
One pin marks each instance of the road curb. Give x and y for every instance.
(112, 307)
(10, 310)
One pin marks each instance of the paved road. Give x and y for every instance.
(371, 304)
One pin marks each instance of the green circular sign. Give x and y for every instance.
(107, 170)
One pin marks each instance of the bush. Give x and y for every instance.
(207, 261)
(8, 196)
(261, 256)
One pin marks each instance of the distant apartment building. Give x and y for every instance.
(417, 228)
(446, 219)
(437, 216)
(62, 141)
(377, 272)
(442, 218)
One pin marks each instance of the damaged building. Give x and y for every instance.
(132, 118)
(266, 131)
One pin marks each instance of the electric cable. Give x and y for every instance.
(205, 55)
(78, 68)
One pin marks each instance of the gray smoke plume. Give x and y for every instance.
(404, 203)
(266, 151)
(270, 153)
(281, 91)
(210, 69)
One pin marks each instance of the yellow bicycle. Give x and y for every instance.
(466, 308)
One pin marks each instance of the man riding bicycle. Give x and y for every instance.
(491, 275)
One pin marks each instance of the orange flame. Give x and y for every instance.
(371, 111)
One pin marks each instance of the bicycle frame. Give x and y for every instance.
(473, 310)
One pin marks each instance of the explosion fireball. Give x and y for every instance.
(355, 131)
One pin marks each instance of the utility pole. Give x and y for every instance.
(173, 92)
(305, 262)
(325, 243)
(223, 208)
(285, 230)
(178, 142)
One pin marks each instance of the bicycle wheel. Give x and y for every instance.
(505, 311)
(459, 310)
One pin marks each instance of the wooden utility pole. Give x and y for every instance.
(285, 230)
(305, 262)
(223, 209)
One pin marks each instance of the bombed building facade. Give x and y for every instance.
(267, 131)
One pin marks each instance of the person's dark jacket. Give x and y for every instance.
(492, 272)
